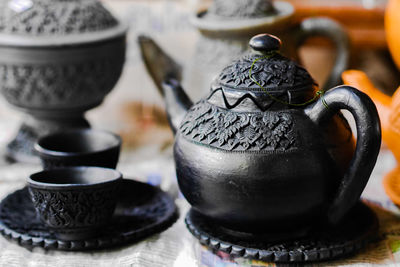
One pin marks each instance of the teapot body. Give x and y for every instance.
(249, 170)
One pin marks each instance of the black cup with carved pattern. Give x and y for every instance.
(86, 147)
(75, 202)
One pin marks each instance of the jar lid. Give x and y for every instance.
(241, 9)
(243, 18)
(56, 22)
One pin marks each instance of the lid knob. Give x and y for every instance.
(265, 43)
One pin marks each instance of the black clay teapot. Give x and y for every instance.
(265, 148)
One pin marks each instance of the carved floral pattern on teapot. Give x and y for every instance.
(234, 131)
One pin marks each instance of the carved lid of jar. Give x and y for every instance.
(235, 16)
(232, 9)
(56, 22)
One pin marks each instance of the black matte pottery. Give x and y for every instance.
(357, 229)
(142, 210)
(58, 59)
(75, 202)
(271, 153)
(79, 148)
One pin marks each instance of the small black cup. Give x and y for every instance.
(86, 147)
(74, 202)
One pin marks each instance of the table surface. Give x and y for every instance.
(176, 246)
(134, 109)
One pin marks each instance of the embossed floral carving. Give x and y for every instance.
(56, 17)
(74, 208)
(217, 127)
(241, 9)
(78, 84)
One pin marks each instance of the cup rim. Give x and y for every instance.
(116, 176)
(45, 151)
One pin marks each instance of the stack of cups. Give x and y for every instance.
(77, 192)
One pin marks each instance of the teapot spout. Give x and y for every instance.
(166, 74)
(159, 65)
(176, 101)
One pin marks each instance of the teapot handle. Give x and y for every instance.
(367, 148)
(325, 27)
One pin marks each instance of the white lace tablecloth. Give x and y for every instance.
(176, 246)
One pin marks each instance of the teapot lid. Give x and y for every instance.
(56, 22)
(266, 75)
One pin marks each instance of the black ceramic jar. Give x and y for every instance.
(58, 59)
(268, 151)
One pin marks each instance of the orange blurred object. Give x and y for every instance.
(391, 183)
(388, 107)
(389, 113)
(365, 25)
(392, 28)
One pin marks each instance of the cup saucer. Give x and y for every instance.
(142, 210)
